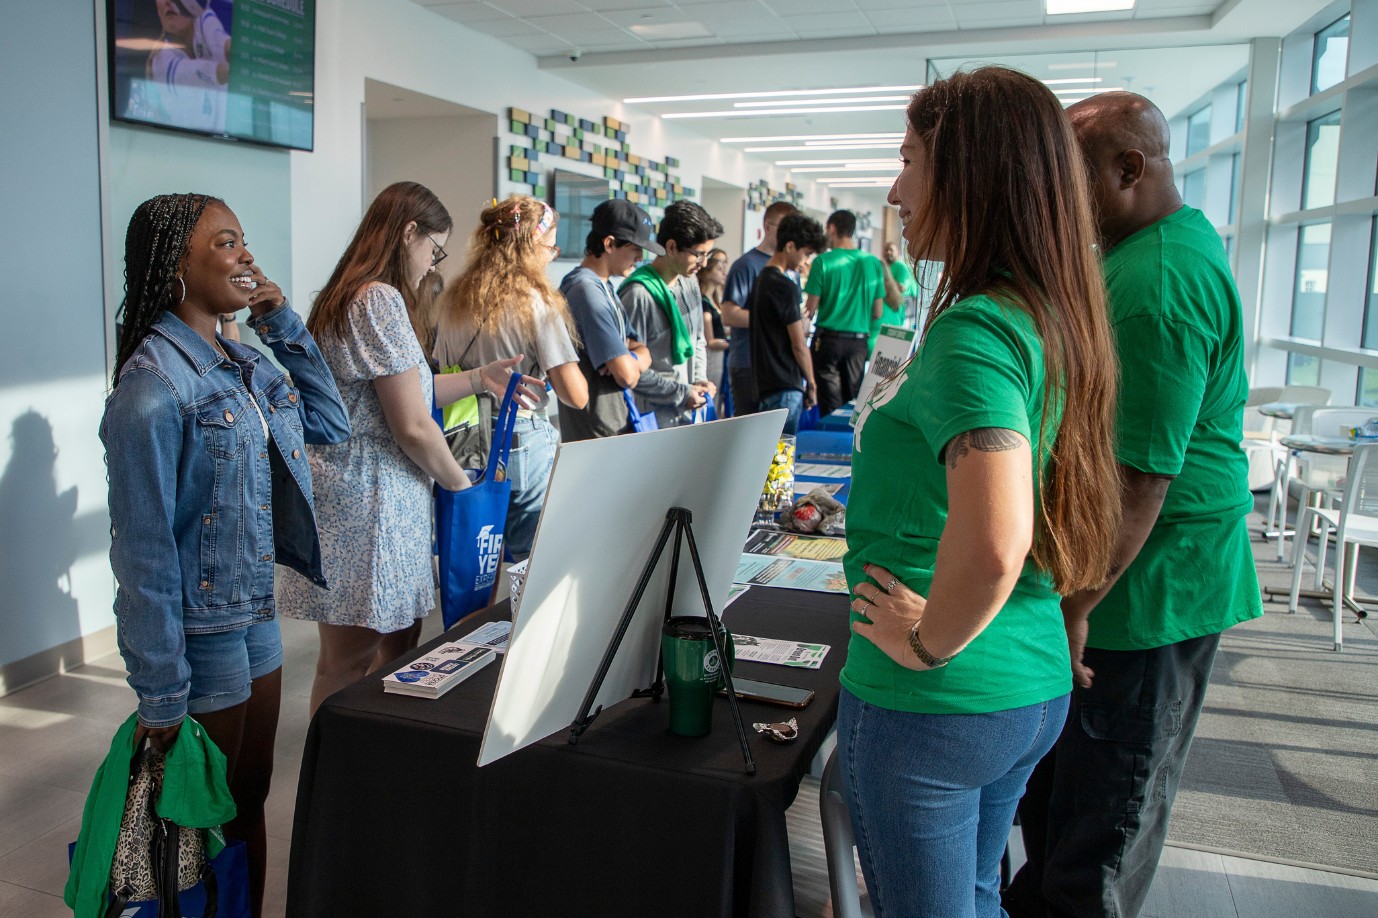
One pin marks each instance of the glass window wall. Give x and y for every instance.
(1198, 130)
(1194, 189)
(1312, 279)
(1322, 158)
(1329, 55)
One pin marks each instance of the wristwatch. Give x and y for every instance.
(922, 653)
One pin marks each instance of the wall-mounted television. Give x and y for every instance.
(574, 197)
(237, 69)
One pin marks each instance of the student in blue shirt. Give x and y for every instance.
(610, 357)
(736, 308)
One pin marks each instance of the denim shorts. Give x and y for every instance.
(223, 664)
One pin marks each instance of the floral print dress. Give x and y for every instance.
(373, 504)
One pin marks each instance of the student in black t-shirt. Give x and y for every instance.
(779, 355)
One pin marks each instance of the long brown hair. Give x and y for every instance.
(1010, 204)
(378, 253)
(506, 269)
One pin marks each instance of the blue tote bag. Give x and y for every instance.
(231, 870)
(469, 524)
(641, 423)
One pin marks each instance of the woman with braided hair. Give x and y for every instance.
(373, 492)
(503, 303)
(209, 487)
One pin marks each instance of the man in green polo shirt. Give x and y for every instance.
(909, 286)
(1096, 812)
(844, 293)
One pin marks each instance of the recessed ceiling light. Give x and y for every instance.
(738, 113)
(856, 101)
(887, 135)
(888, 167)
(830, 162)
(669, 31)
(818, 149)
(772, 94)
(1067, 7)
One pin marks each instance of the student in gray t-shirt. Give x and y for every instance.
(665, 310)
(609, 358)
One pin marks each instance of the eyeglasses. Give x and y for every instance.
(554, 251)
(694, 257)
(439, 254)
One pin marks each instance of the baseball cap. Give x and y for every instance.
(625, 222)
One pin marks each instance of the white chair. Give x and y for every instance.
(1317, 474)
(1257, 448)
(1261, 432)
(1260, 438)
(838, 844)
(1355, 523)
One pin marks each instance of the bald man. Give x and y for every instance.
(1096, 811)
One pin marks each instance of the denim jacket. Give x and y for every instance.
(201, 505)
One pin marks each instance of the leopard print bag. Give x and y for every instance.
(155, 858)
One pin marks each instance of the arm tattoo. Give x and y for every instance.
(985, 439)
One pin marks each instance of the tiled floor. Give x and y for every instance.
(54, 735)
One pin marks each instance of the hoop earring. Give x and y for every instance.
(184, 290)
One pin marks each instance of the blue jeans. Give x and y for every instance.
(932, 798)
(1096, 815)
(792, 400)
(528, 468)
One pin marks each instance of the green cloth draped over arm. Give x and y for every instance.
(682, 347)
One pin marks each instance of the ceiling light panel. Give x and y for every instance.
(753, 113)
(858, 101)
(1074, 7)
(811, 137)
(811, 149)
(772, 94)
(888, 167)
(831, 162)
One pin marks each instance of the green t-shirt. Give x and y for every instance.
(1178, 328)
(888, 316)
(904, 277)
(846, 282)
(981, 365)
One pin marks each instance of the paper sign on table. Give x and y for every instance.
(792, 573)
(822, 470)
(493, 634)
(816, 548)
(780, 653)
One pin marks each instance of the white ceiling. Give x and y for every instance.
(548, 27)
(1171, 50)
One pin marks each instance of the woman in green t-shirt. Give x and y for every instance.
(984, 485)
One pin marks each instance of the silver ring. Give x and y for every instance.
(894, 582)
(866, 604)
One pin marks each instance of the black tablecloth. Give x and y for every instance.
(394, 818)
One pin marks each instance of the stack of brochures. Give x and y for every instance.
(440, 670)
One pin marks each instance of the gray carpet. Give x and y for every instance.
(1282, 766)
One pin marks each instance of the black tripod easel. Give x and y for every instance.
(679, 523)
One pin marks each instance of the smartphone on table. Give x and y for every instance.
(769, 693)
